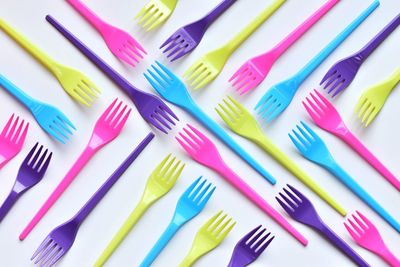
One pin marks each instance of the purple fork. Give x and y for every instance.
(188, 37)
(250, 247)
(152, 109)
(30, 173)
(61, 239)
(343, 72)
(303, 211)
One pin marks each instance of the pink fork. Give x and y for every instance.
(324, 114)
(120, 43)
(107, 128)
(202, 150)
(367, 236)
(254, 70)
(11, 139)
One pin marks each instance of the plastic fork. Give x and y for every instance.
(324, 114)
(312, 147)
(107, 128)
(250, 247)
(343, 72)
(120, 43)
(373, 99)
(155, 12)
(160, 182)
(188, 37)
(172, 89)
(209, 236)
(207, 67)
(50, 119)
(303, 211)
(202, 150)
(367, 236)
(75, 83)
(30, 173)
(12, 138)
(61, 239)
(189, 205)
(254, 70)
(244, 124)
(280, 95)
(152, 109)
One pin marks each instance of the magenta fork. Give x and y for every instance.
(324, 114)
(254, 70)
(367, 236)
(107, 128)
(202, 150)
(12, 138)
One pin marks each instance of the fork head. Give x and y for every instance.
(252, 245)
(194, 199)
(206, 68)
(298, 207)
(33, 167)
(238, 118)
(53, 121)
(12, 138)
(276, 100)
(110, 124)
(310, 145)
(252, 73)
(323, 113)
(163, 178)
(77, 85)
(364, 233)
(341, 74)
(123, 45)
(199, 147)
(184, 40)
(155, 12)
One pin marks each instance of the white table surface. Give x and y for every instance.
(381, 137)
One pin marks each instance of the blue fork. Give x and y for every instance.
(189, 205)
(279, 96)
(52, 120)
(172, 89)
(313, 148)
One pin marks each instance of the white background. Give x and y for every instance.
(381, 137)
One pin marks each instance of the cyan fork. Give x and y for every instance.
(303, 211)
(30, 173)
(51, 119)
(313, 148)
(279, 96)
(152, 109)
(12, 138)
(188, 37)
(250, 247)
(189, 205)
(61, 239)
(172, 89)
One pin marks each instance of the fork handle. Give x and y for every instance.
(217, 11)
(343, 246)
(8, 203)
(88, 14)
(42, 57)
(17, 92)
(391, 259)
(369, 48)
(354, 143)
(246, 190)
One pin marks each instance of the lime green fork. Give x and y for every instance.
(240, 121)
(75, 83)
(155, 12)
(209, 236)
(207, 68)
(160, 182)
(373, 99)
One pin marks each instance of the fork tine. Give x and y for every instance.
(205, 199)
(154, 121)
(171, 39)
(46, 250)
(226, 230)
(188, 141)
(223, 116)
(115, 119)
(341, 87)
(46, 242)
(297, 193)
(299, 137)
(190, 150)
(352, 233)
(310, 131)
(254, 239)
(16, 135)
(367, 113)
(299, 146)
(205, 81)
(121, 124)
(34, 160)
(310, 112)
(29, 156)
(198, 133)
(314, 107)
(7, 127)
(326, 101)
(58, 129)
(372, 116)
(247, 237)
(330, 80)
(360, 223)
(109, 119)
(266, 244)
(107, 111)
(126, 58)
(284, 206)
(22, 137)
(55, 134)
(174, 177)
(303, 133)
(222, 227)
(165, 114)
(261, 240)
(167, 165)
(212, 220)
(356, 227)
(290, 202)
(217, 223)
(192, 136)
(63, 124)
(360, 104)
(365, 219)
(274, 113)
(56, 257)
(199, 191)
(292, 196)
(231, 107)
(11, 133)
(51, 256)
(43, 168)
(238, 72)
(330, 73)
(179, 55)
